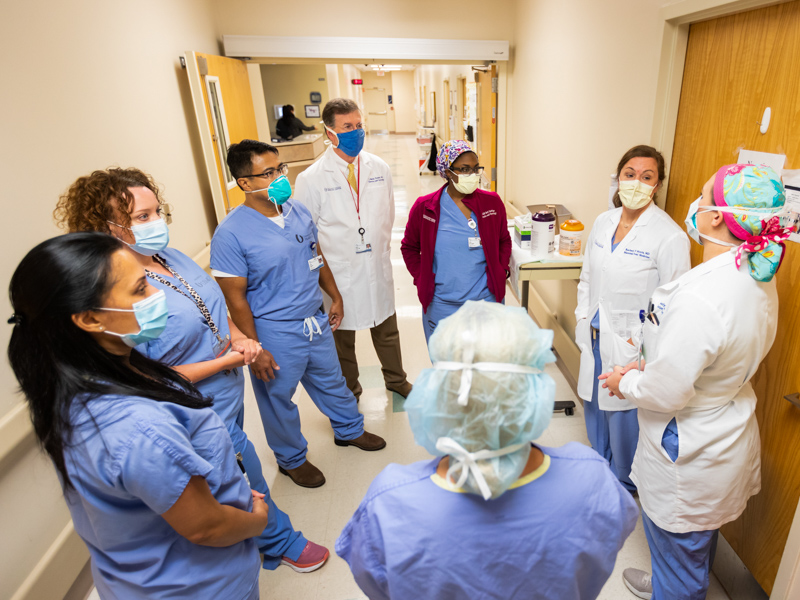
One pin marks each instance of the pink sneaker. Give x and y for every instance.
(311, 558)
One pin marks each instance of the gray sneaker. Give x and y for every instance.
(638, 582)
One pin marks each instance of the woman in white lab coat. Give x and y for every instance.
(698, 460)
(631, 250)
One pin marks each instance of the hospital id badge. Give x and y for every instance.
(315, 263)
(222, 347)
(363, 247)
(474, 242)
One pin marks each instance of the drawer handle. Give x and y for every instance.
(794, 399)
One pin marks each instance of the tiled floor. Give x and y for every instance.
(322, 513)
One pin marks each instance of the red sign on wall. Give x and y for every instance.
(357, 81)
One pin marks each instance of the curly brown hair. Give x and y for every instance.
(90, 203)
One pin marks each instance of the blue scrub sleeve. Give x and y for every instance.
(227, 255)
(362, 549)
(158, 464)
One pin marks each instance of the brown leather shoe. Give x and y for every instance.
(404, 389)
(366, 441)
(306, 475)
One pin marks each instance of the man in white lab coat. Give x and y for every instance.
(704, 335)
(350, 196)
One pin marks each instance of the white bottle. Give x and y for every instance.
(543, 235)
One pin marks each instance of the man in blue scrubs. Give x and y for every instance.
(265, 259)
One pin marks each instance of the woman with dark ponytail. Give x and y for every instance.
(148, 470)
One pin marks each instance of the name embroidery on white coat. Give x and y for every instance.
(333, 189)
(376, 179)
(637, 253)
(431, 219)
(598, 244)
(488, 213)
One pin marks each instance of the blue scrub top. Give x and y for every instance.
(460, 271)
(188, 339)
(554, 538)
(280, 284)
(130, 459)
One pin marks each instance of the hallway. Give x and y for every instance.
(322, 513)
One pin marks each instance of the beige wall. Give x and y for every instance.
(470, 19)
(403, 100)
(86, 85)
(583, 86)
(293, 84)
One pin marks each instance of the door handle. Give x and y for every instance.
(378, 113)
(794, 399)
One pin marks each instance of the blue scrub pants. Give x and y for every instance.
(315, 364)
(279, 538)
(613, 434)
(681, 561)
(436, 312)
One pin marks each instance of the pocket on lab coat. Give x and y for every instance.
(634, 276)
(614, 350)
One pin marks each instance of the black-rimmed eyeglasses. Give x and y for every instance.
(283, 169)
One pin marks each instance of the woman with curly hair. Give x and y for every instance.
(199, 341)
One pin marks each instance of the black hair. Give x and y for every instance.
(57, 363)
(287, 108)
(240, 156)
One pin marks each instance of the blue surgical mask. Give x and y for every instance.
(151, 314)
(151, 237)
(350, 142)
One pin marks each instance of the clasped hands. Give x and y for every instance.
(612, 378)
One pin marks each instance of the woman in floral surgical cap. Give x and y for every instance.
(456, 244)
(698, 459)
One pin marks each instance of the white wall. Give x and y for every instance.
(86, 85)
(583, 86)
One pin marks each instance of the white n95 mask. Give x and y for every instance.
(634, 194)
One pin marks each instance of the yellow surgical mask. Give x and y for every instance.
(634, 194)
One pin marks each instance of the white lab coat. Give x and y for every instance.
(716, 325)
(619, 284)
(364, 280)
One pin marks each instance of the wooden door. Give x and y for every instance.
(487, 122)
(222, 87)
(736, 66)
(446, 113)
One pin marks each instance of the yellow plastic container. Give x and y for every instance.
(569, 241)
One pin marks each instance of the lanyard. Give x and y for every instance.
(357, 199)
(193, 295)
